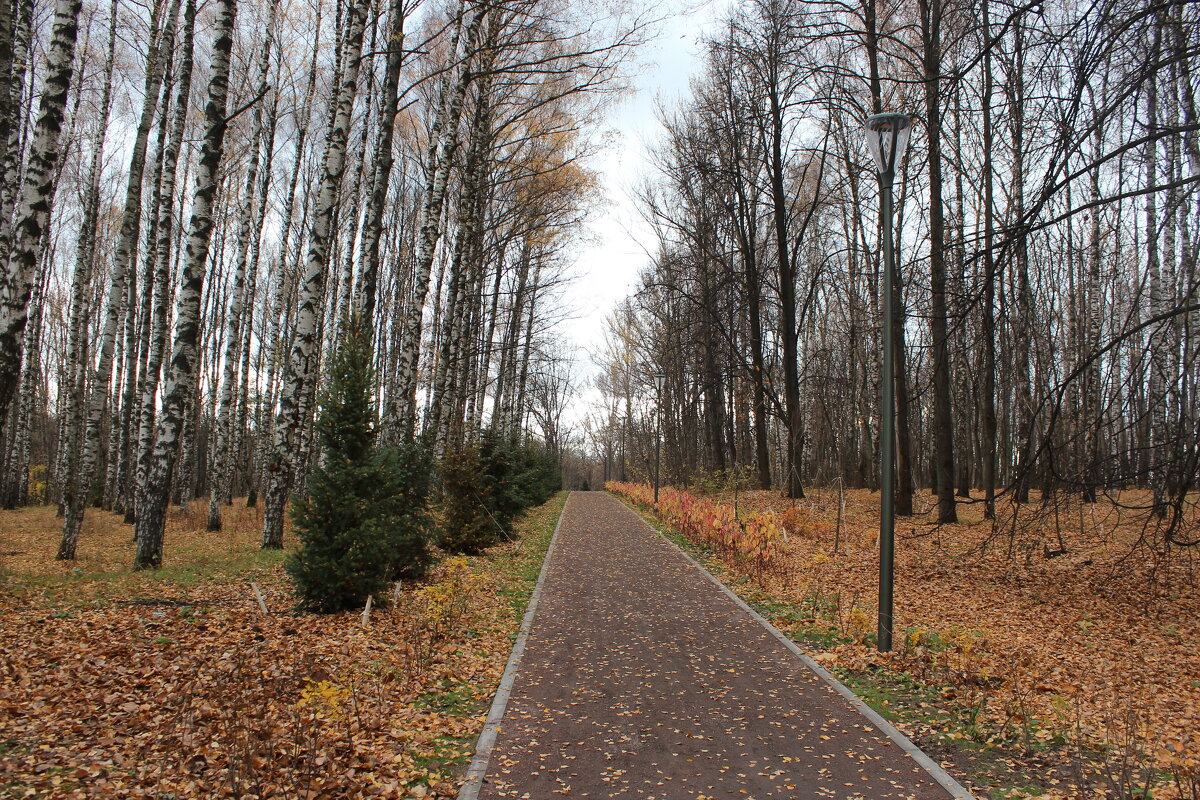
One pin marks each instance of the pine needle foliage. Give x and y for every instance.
(364, 521)
(486, 484)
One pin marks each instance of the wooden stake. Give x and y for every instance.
(262, 604)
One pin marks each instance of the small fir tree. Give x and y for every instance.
(467, 524)
(364, 521)
(486, 484)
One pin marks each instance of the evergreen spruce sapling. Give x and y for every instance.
(486, 485)
(467, 524)
(500, 459)
(364, 521)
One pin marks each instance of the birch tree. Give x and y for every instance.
(223, 424)
(120, 277)
(33, 210)
(444, 141)
(180, 380)
(301, 369)
(163, 255)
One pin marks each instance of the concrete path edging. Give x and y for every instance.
(491, 727)
(943, 778)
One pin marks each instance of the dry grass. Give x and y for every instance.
(102, 572)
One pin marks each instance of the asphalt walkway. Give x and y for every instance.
(641, 679)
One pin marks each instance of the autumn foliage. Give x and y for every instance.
(753, 540)
(174, 683)
(1077, 661)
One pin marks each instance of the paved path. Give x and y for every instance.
(642, 679)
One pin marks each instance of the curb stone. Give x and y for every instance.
(491, 728)
(943, 778)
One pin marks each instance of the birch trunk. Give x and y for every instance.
(383, 161)
(219, 474)
(518, 417)
(124, 256)
(466, 264)
(488, 344)
(277, 328)
(16, 493)
(506, 377)
(33, 209)
(131, 451)
(77, 345)
(138, 351)
(13, 94)
(9, 91)
(180, 382)
(440, 412)
(301, 373)
(354, 229)
(243, 411)
(163, 255)
(443, 145)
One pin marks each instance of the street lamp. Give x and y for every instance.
(659, 382)
(887, 138)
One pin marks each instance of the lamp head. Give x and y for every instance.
(659, 382)
(887, 138)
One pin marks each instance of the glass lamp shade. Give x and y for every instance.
(887, 138)
(659, 382)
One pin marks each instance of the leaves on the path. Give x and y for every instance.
(1091, 654)
(640, 680)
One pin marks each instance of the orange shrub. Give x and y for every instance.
(710, 524)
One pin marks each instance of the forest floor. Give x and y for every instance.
(1038, 665)
(174, 683)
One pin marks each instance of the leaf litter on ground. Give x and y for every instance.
(1064, 631)
(174, 683)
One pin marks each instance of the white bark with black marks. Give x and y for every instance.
(164, 255)
(444, 141)
(75, 374)
(33, 209)
(301, 373)
(219, 474)
(122, 274)
(180, 381)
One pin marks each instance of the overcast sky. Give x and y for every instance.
(607, 267)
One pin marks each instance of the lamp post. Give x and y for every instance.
(887, 138)
(659, 382)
